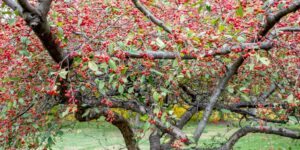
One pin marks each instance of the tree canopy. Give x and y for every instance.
(89, 57)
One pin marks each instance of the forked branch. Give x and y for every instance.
(272, 19)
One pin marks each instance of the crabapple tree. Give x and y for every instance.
(93, 57)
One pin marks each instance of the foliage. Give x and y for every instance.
(147, 57)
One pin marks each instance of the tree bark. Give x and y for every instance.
(259, 129)
(120, 122)
(154, 140)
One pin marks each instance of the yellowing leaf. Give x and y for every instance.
(240, 12)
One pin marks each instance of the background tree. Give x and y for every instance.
(146, 57)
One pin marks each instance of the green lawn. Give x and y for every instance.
(103, 136)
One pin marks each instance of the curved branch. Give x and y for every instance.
(120, 122)
(272, 19)
(141, 109)
(27, 6)
(148, 14)
(22, 113)
(247, 113)
(259, 129)
(13, 5)
(41, 28)
(213, 99)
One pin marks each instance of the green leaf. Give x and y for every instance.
(280, 6)
(143, 79)
(175, 63)
(245, 97)
(160, 43)
(240, 12)
(156, 96)
(265, 61)
(290, 98)
(24, 52)
(101, 84)
(112, 64)
(65, 113)
(182, 18)
(114, 85)
(87, 112)
(225, 111)
(25, 40)
(230, 89)
(96, 110)
(93, 66)
(111, 78)
(50, 141)
(130, 90)
(121, 89)
(207, 6)
(21, 101)
(156, 72)
(251, 66)
(144, 118)
(11, 21)
(241, 39)
(63, 73)
(2, 89)
(35, 125)
(221, 28)
(242, 88)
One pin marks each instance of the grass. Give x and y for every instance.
(103, 136)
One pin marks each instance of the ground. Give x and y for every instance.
(102, 136)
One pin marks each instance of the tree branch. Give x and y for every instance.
(259, 129)
(44, 7)
(139, 108)
(117, 120)
(225, 50)
(247, 113)
(42, 29)
(213, 99)
(13, 5)
(27, 6)
(154, 140)
(272, 19)
(23, 112)
(189, 91)
(289, 29)
(148, 14)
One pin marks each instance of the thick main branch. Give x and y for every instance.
(214, 97)
(223, 51)
(120, 122)
(258, 129)
(272, 19)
